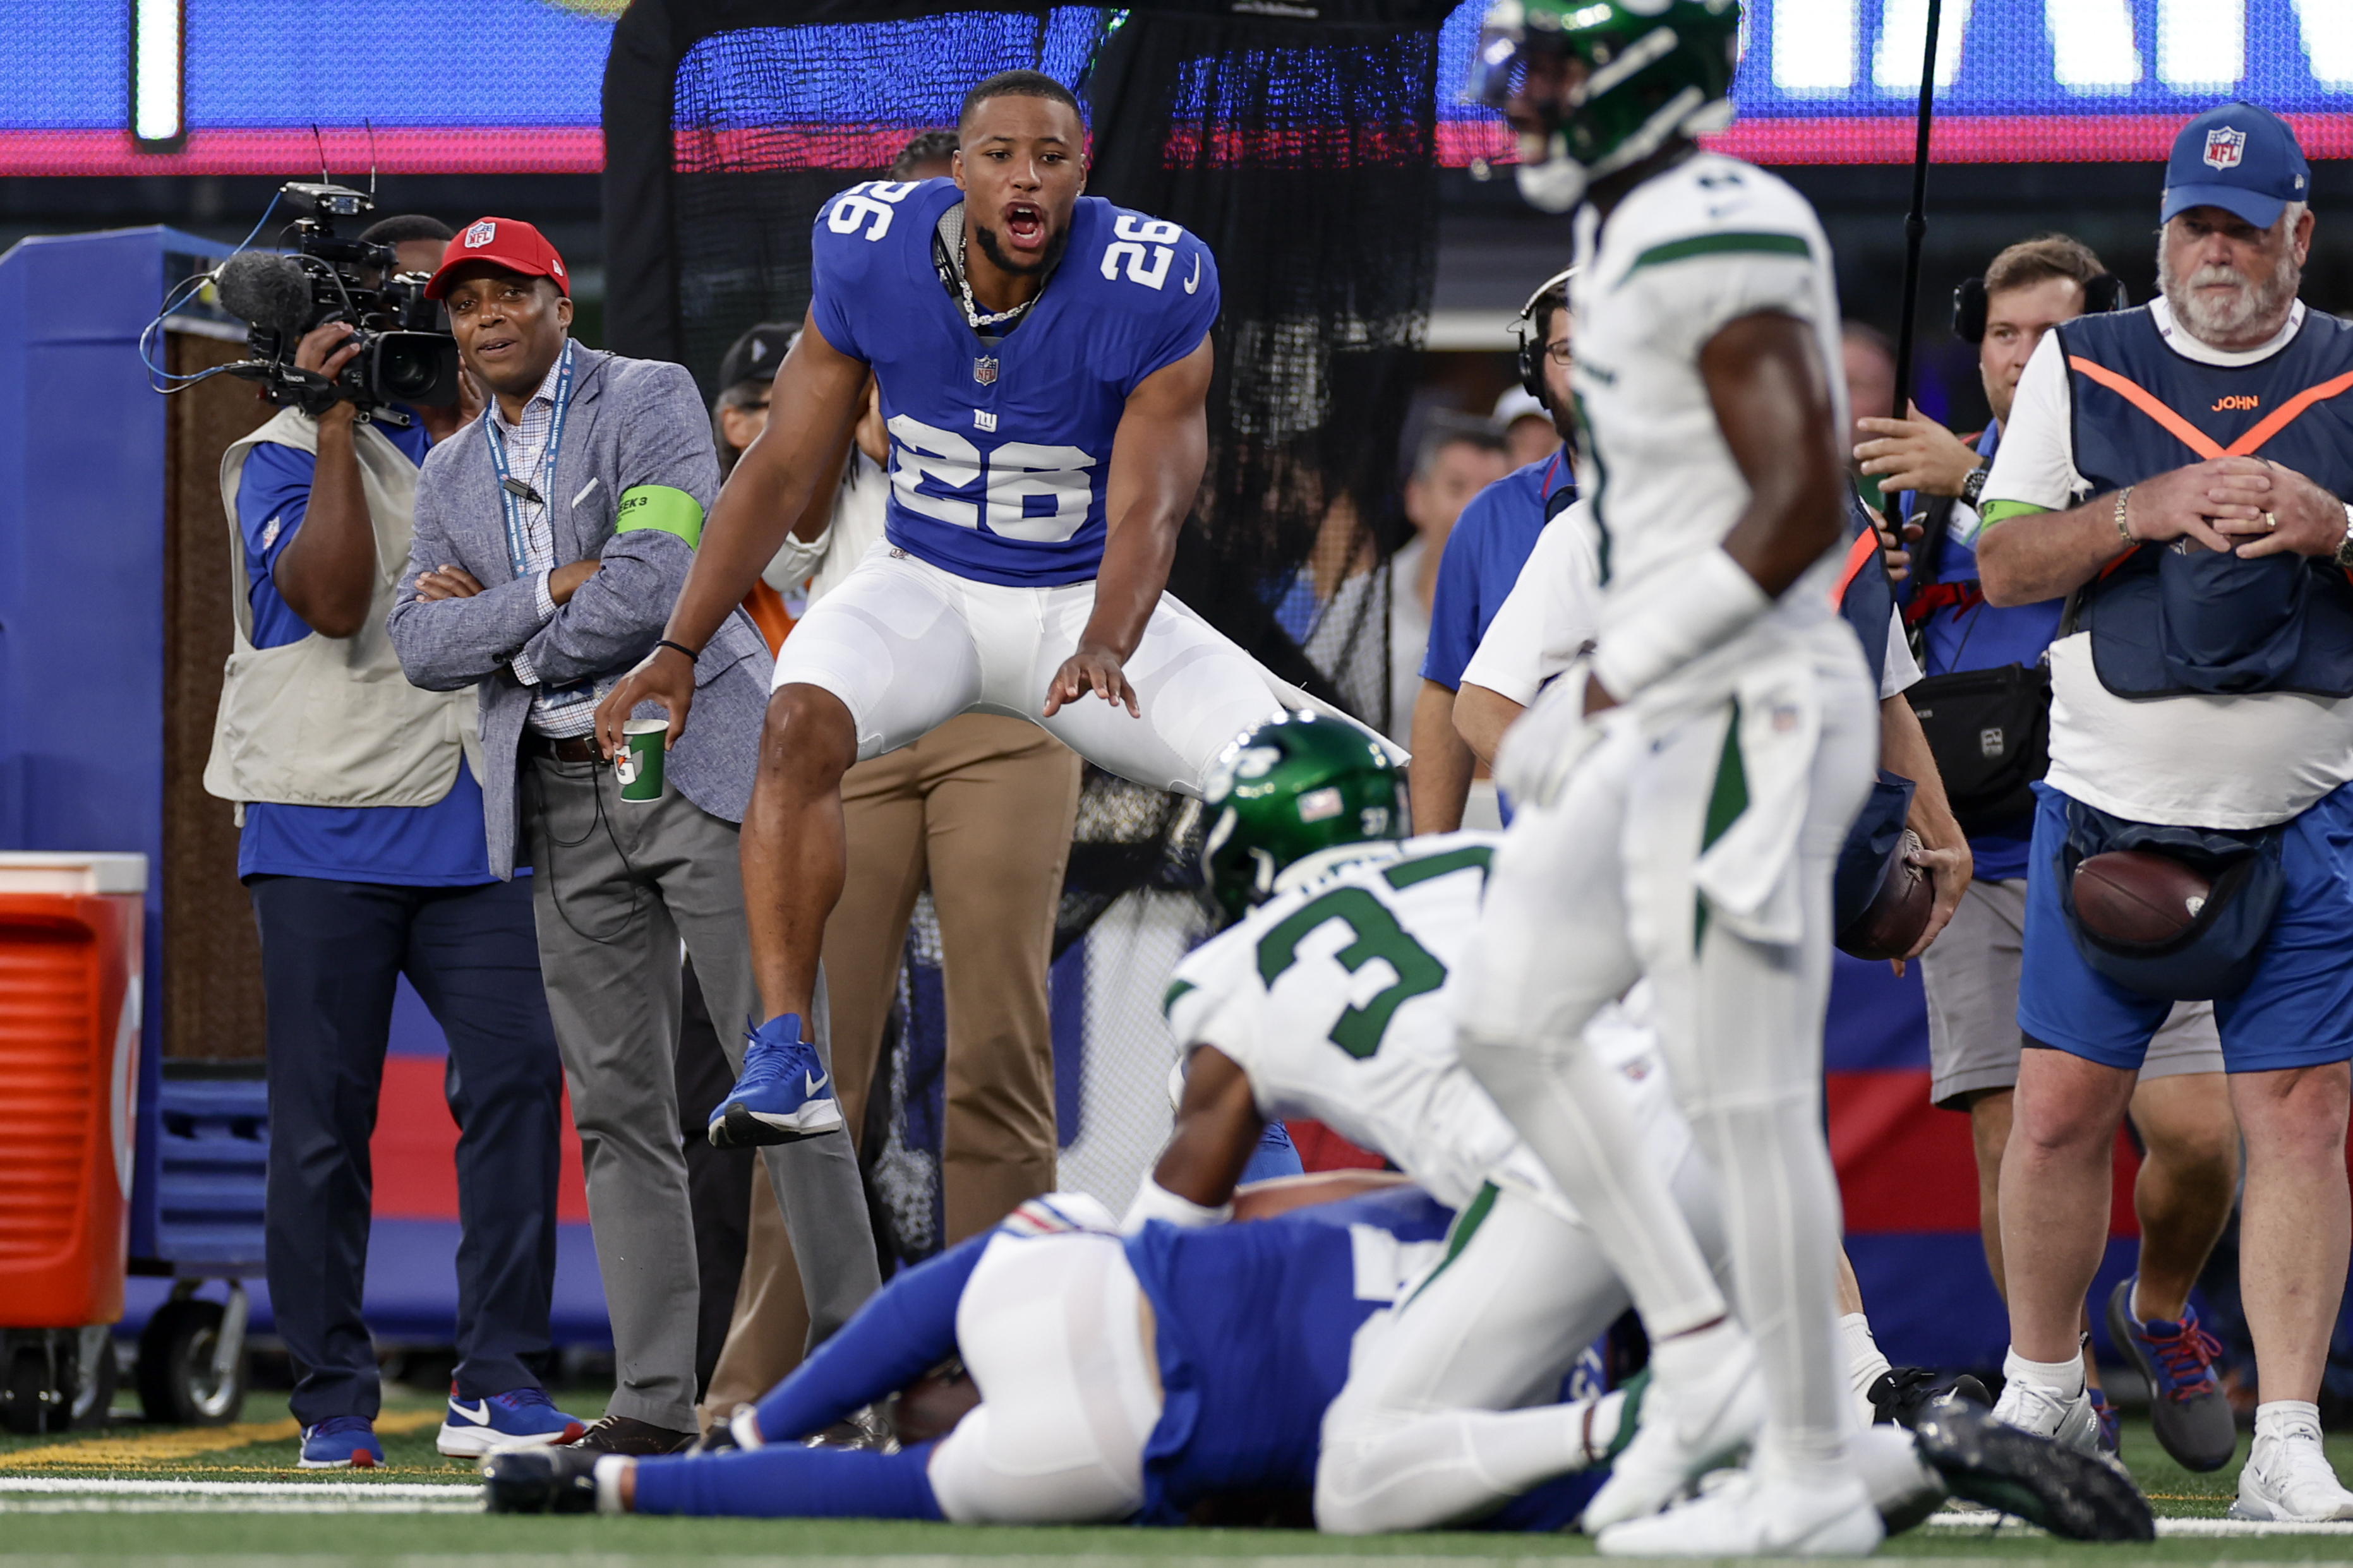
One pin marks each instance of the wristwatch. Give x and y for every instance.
(2344, 550)
(1974, 486)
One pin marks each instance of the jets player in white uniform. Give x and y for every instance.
(1688, 784)
(1042, 360)
(1332, 996)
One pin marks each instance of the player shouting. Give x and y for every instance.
(1690, 782)
(1043, 361)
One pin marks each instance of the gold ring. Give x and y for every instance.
(2270, 523)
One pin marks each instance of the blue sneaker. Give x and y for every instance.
(341, 1442)
(2187, 1411)
(785, 1094)
(523, 1418)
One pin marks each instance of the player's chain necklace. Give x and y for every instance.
(977, 318)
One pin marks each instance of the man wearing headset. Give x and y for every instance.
(1972, 651)
(1491, 542)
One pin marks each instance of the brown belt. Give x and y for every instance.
(564, 749)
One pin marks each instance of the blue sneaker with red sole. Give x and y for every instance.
(520, 1418)
(341, 1442)
(2187, 1408)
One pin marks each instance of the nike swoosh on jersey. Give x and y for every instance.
(815, 1082)
(1193, 282)
(480, 1414)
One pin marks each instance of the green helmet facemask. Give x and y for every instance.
(1651, 69)
(1288, 789)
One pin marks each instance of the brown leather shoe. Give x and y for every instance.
(627, 1435)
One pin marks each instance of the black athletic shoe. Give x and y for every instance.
(2187, 1409)
(1900, 1393)
(541, 1481)
(2080, 1496)
(627, 1435)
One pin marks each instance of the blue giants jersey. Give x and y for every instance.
(1000, 455)
(1255, 1325)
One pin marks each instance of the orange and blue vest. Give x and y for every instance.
(2175, 618)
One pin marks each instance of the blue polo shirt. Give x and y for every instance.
(1490, 541)
(437, 846)
(1974, 634)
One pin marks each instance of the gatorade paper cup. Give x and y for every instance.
(638, 763)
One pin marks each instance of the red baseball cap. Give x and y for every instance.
(503, 242)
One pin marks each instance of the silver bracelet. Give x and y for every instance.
(2124, 529)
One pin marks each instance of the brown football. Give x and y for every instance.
(930, 1406)
(2132, 895)
(1898, 912)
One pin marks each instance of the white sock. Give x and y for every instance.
(1865, 1362)
(609, 1471)
(2063, 1378)
(2288, 1419)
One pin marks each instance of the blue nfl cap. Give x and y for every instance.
(2240, 158)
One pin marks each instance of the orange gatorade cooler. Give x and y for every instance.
(70, 962)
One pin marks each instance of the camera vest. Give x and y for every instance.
(2175, 618)
(334, 721)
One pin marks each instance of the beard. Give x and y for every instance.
(994, 248)
(2240, 318)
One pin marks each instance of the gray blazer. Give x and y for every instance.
(632, 421)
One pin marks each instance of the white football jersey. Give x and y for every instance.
(1686, 254)
(1337, 1000)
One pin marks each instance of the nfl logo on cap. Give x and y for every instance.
(2224, 147)
(480, 234)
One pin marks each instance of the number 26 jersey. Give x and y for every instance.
(1000, 453)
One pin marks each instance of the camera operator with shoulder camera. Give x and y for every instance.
(363, 852)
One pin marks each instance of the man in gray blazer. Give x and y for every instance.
(551, 543)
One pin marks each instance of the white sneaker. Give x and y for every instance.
(1704, 1403)
(2288, 1476)
(1903, 1487)
(2070, 1423)
(1739, 1514)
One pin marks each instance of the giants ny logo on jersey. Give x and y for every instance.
(1020, 490)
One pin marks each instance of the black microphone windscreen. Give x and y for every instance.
(266, 289)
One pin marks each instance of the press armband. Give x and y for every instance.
(1674, 618)
(659, 505)
(1153, 1201)
(794, 560)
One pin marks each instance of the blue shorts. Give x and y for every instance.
(2297, 1011)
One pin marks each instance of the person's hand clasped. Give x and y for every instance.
(445, 582)
(1095, 669)
(1916, 453)
(2297, 515)
(565, 581)
(664, 677)
(2213, 502)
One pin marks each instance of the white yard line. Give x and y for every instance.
(2204, 1529)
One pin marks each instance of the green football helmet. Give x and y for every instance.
(1291, 787)
(1601, 84)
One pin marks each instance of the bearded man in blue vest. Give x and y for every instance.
(2180, 471)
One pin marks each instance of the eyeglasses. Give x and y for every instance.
(1561, 353)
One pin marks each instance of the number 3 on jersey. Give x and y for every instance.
(1376, 934)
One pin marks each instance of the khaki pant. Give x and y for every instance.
(983, 808)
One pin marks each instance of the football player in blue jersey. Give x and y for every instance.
(1042, 360)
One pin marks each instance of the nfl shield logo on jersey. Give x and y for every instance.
(480, 234)
(984, 371)
(2224, 147)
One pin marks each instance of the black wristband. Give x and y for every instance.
(690, 655)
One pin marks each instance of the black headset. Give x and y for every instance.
(2104, 292)
(1532, 348)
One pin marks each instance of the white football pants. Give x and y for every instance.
(1599, 888)
(1431, 1427)
(1050, 1332)
(907, 646)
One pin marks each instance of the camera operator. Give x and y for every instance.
(363, 850)
(552, 539)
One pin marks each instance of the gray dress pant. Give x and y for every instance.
(615, 885)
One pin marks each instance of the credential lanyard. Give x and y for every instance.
(509, 503)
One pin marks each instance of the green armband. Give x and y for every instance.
(659, 505)
(1995, 512)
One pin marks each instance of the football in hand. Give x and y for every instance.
(1898, 912)
(2135, 895)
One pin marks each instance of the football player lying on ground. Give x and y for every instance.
(1448, 1411)
(1145, 1378)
